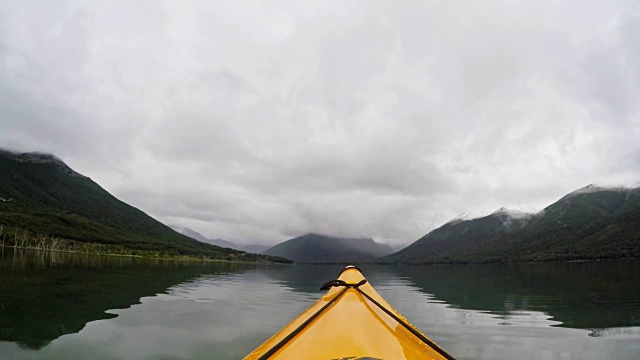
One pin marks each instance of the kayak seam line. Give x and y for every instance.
(295, 332)
(408, 327)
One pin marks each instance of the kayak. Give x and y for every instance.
(351, 321)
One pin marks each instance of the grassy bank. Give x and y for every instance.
(23, 239)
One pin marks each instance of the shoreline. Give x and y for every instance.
(135, 256)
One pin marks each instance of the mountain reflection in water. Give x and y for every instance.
(61, 306)
(44, 295)
(597, 294)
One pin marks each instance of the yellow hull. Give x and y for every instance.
(346, 323)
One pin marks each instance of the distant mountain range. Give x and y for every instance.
(594, 222)
(590, 223)
(254, 248)
(251, 248)
(317, 248)
(42, 195)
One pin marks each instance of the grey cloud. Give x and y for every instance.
(351, 118)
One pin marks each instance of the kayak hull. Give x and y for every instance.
(346, 323)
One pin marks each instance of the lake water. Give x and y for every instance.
(74, 306)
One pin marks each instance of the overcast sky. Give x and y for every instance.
(260, 121)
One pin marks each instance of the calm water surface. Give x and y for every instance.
(72, 306)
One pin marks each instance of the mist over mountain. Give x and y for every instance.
(593, 222)
(318, 248)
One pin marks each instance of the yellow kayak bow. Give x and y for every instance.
(351, 321)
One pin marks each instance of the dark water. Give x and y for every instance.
(72, 306)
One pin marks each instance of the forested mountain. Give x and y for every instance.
(589, 223)
(39, 193)
(317, 248)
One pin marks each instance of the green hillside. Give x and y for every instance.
(479, 240)
(317, 248)
(591, 223)
(597, 225)
(42, 195)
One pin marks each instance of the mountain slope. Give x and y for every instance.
(317, 248)
(43, 195)
(250, 248)
(189, 232)
(589, 223)
(254, 248)
(461, 240)
(196, 235)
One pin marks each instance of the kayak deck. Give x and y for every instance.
(346, 323)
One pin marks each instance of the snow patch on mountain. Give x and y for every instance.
(512, 213)
(460, 218)
(593, 188)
